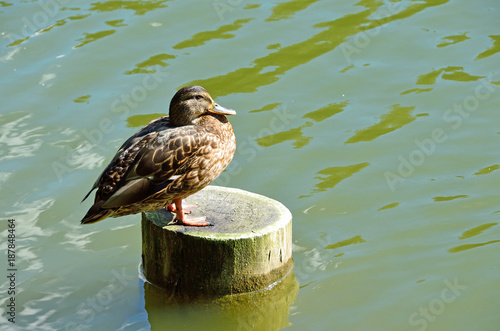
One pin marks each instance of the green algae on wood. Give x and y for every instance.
(248, 247)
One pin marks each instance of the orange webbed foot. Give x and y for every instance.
(181, 219)
(191, 221)
(186, 208)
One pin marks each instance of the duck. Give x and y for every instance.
(169, 159)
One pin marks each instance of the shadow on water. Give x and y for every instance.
(267, 309)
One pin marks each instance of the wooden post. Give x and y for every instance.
(248, 247)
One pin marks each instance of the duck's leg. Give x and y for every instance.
(181, 218)
(187, 208)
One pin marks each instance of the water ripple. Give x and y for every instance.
(454, 39)
(139, 7)
(247, 80)
(465, 247)
(28, 215)
(477, 230)
(351, 241)
(492, 50)
(487, 170)
(327, 111)
(91, 37)
(16, 138)
(287, 9)
(146, 67)
(335, 175)
(450, 73)
(296, 135)
(76, 236)
(221, 33)
(395, 119)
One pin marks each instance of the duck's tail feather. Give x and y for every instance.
(96, 213)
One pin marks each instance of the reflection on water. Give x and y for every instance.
(139, 7)
(293, 134)
(330, 97)
(470, 246)
(488, 170)
(267, 309)
(148, 65)
(17, 139)
(449, 73)
(82, 99)
(477, 230)
(396, 118)
(141, 120)
(247, 80)
(335, 175)
(460, 196)
(326, 112)
(351, 241)
(286, 9)
(492, 50)
(458, 75)
(204, 37)
(451, 40)
(389, 206)
(91, 37)
(472, 233)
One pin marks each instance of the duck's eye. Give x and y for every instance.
(199, 97)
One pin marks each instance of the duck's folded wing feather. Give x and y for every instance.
(154, 166)
(165, 155)
(133, 191)
(134, 140)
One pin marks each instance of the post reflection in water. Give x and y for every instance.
(267, 309)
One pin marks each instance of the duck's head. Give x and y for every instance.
(192, 102)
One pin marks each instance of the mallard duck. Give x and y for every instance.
(169, 159)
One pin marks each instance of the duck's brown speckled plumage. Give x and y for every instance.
(170, 158)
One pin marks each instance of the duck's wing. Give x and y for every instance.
(127, 148)
(150, 164)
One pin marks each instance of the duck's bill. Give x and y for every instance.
(218, 109)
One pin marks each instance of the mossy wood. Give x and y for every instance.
(248, 246)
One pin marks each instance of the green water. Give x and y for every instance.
(375, 122)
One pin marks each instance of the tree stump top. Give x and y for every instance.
(232, 213)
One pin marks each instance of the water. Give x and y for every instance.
(375, 123)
